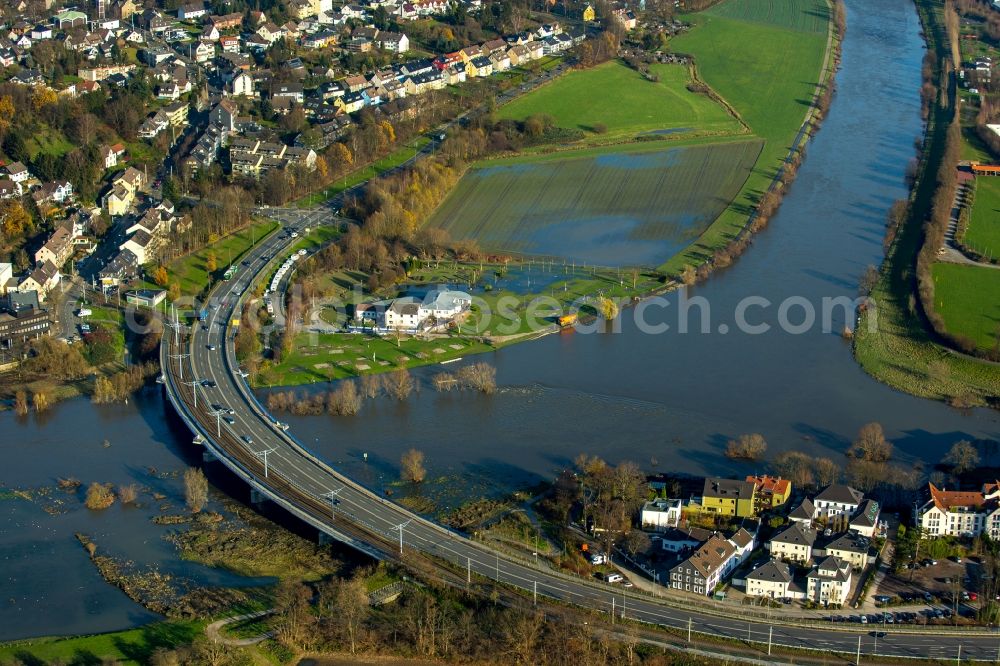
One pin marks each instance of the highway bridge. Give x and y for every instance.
(204, 384)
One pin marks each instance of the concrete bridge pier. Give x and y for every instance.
(208, 456)
(256, 497)
(325, 539)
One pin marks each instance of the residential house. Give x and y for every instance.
(794, 543)
(850, 547)
(17, 172)
(9, 189)
(772, 491)
(588, 13)
(660, 514)
(229, 44)
(866, 522)
(241, 85)
(58, 248)
(681, 540)
(830, 582)
(291, 91)
(803, 513)
(56, 192)
(393, 42)
(270, 32)
(191, 11)
(227, 21)
(224, 115)
(837, 500)
(961, 513)
(703, 570)
(210, 33)
(773, 580)
(42, 280)
(729, 497)
(176, 113)
(108, 157)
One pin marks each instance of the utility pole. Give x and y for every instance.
(535, 593)
(857, 660)
(180, 366)
(400, 528)
(468, 578)
(958, 659)
(263, 455)
(770, 634)
(194, 390)
(333, 497)
(689, 628)
(612, 609)
(218, 421)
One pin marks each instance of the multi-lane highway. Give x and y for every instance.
(204, 384)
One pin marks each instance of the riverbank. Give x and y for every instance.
(318, 359)
(892, 341)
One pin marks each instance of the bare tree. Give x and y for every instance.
(412, 463)
(399, 384)
(871, 444)
(345, 400)
(478, 376)
(636, 541)
(371, 385)
(128, 493)
(195, 489)
(747, 447)
(826, 471)
(961, 457)
(352, 609)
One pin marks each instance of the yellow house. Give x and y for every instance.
(772, 491)
(588, 13)
(729, 497)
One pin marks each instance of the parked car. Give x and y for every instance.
(598, 558)
(614, 578)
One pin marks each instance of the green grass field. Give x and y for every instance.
(192, 271)
(983, 234)
(326, 356)
(134, 646)
(968, 298)
(377, 168)
(769, 75)
(607, 209)
(617, 96)
(794, 14)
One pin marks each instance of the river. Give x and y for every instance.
(672, 397)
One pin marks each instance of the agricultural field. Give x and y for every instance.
(805, 17)
(610, 209)
(968, 298)
(983, 234)
(625, 103)
(770, 80)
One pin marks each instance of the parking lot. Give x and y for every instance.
(927, 593)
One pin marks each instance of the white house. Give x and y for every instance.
(837, 500)
(191, 11)
(661, 514)
(17, 172)
(241, 85)
(829, 582)
(961, 513)
(773, 580)
(794, 543)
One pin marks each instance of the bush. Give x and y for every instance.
(99, 496)
(746, 447)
